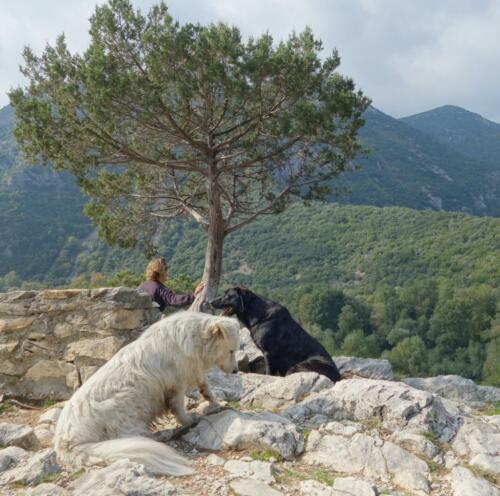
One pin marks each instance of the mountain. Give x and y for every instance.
(464, 131)
(41, 212)
(407, 167)
(47, 238)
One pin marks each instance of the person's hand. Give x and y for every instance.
(199, 288)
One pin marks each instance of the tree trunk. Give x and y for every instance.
(213, 253)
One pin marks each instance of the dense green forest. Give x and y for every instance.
(420, 288)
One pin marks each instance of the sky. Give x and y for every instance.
(408, 56)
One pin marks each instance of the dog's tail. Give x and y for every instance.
(157, 457)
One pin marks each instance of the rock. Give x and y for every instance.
(8, 347)
(122, 478)
(249, 356)
(22, 436)
(47, 489)
(44, 435)
(456, 388)
(50, 416)
(48, 379)
(215, 460)
(11, 456)
(365, 455)
(465, 483)
(97, 349)
(252, 470)
(122, 319)
(231, 429)
(479, 441)
(16, 324)
(394, 405)
(233, 387)
(314, 488)
(286, 390)
(250, 487)
(350, 486)
(34, 470)
(415, 442)
(87, 371)
(371, 368)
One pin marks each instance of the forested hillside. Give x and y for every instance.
(420, 288)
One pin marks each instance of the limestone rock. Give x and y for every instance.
(98, 349)
(455, 388)
(368, 456)
(465, 483)
(252, 470)
(287, 390)
(371, 368)
(119, 478)
(35, 468)
(350, 486)
(250, 358)
(11, 456)
(45, 435)
(479, 442)
(251, 487)
(314, 488)
(50, 416)
(22, 436)
(394, 405)
(47, 379)
(415, 442)
(47, 489)
(237, 430)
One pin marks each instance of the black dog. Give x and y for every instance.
(286, 346)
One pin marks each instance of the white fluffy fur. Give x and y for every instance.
(108, 418)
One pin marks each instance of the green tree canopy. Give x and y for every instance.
(159, 120)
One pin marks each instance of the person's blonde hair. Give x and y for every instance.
(156, 269)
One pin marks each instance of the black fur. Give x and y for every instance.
(286, 346)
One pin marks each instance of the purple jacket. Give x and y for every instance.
(164, 296)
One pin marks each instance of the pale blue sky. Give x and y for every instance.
(407, 55)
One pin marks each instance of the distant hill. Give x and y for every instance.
(407, 167)
(464, 131)
(46, 237)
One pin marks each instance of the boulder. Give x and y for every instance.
(285, 391)
(120, 478)
(11, 456)
(395, 406)
(50, 416)
(368, 456)
(231, 429)
(250, 358)
(479, 442)
(465, 483)
(47, 489)
(371, 368)
(456, 388)
(33, 470)
(22, 436)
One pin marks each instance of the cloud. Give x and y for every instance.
(408, 56)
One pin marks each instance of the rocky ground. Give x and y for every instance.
(299, 435)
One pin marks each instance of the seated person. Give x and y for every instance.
(156, 275)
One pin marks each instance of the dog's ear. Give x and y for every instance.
(217, 331)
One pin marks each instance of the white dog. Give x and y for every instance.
(109, 417)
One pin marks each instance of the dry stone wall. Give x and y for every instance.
(51, 341)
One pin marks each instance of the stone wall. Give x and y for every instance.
(51, 341)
